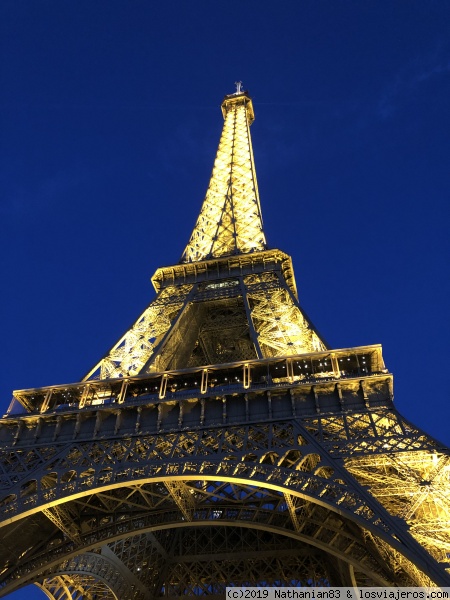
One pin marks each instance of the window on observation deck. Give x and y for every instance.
(222, 284)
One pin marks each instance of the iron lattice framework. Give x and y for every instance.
(230, 220)
(220, 441)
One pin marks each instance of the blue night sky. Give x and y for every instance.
(110, 119)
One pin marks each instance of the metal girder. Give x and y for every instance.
(101, 572)
(281, 328)
(230, 220)
(64, 521)
(135, 348)
(77, 586)
(416, 487)
(290, 503)
(182, 495)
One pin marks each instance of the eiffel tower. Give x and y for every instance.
(221, 441)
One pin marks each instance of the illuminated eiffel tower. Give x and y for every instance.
(221, 441)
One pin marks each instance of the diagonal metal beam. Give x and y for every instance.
(64, 522)
(183, 497)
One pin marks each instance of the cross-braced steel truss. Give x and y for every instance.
(295, 478)
(220, 442)
(230, 219)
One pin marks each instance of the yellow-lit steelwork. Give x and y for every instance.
(132, 352)
(220, 441)
(229, 225)
(414, 486)
(230, 220)
(279, 323)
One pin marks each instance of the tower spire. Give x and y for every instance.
(230, 220)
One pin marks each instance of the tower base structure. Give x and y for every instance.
(272, 471)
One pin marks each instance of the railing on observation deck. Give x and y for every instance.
(214, 380)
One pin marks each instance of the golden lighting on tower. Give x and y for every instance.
(221, 406)
(230, 220)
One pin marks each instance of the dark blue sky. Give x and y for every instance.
(110, 119)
